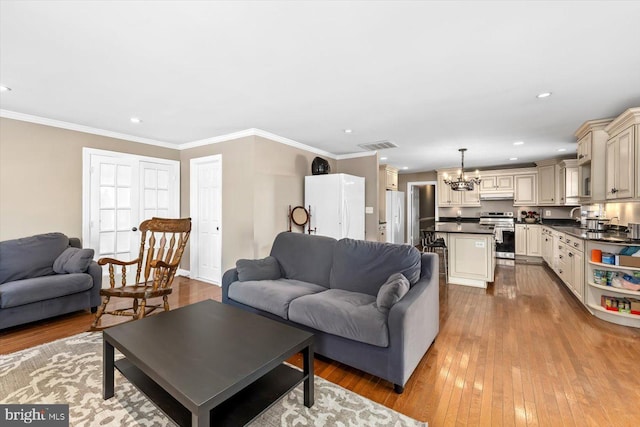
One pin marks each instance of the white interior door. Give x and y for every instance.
(121, 190)
(206, 214)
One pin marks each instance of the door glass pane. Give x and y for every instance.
(163, 179)
(107, 198)
(124, 176)
(150, 178)
(123, 242)
(150, 199)
(124, 197)
(107, 220)
(107, 174)
(163, 199)
(107, 242)
(124, 219)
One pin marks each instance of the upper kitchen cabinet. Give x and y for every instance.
(449, 198)
(568, 182)
(389, 177)
(621, 175)
(592, 142)
(547, 183)
(526, 192)
(496, 184)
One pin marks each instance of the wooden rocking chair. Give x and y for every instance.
(166, 239)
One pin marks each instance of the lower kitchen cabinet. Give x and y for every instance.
(529, 239)
(570, 265)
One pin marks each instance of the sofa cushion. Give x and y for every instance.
(73, 260)
(273, 296)
(30, 256)
(20, 292)
(362, 266)
(347, 314)
(258, 269)
(392, 291)
(304, 257)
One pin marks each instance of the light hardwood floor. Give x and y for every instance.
(522, 352)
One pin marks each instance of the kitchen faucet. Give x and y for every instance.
(572, 211)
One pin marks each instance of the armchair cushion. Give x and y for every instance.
(73, 260)
(392, 291)
(258, 269)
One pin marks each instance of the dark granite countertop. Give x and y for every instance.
(462, 227)
(610, 236)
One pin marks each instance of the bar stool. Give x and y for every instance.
(432, 244)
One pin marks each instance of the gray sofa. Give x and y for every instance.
(331, 287)
(30, 290)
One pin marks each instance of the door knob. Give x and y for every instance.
(134, 229)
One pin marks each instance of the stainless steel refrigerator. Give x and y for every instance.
(395, 217)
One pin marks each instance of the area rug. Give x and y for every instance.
(69, 371)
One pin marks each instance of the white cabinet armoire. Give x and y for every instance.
(337, 205)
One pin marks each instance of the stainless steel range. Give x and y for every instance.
(504, 230)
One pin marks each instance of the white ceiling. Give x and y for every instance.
(429, 76)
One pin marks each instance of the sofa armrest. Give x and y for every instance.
(228, 278)
(95, 271)
(414, 321)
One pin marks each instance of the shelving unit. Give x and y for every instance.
(595, 291)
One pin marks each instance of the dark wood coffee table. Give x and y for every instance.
(209, 363)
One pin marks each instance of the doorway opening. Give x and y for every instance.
(422, 208)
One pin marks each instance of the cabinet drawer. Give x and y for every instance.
(574, 243)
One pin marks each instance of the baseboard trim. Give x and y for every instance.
(183, 273)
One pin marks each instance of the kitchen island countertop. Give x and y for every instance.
(464, 227)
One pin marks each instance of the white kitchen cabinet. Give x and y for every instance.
(568, 183)
(547, 184)
(450, 198)
(389, 177)
(525, 190)
(547, 245)
(620, 165)
(471, 259)
(496, 184)
(570, 264)
(591, 167)
(584, 148)
(528, 239)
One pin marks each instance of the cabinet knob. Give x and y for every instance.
(614, 190)
(560, 256)
(560, 271)
(570, 254)
(575, 245)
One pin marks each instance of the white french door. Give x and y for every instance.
(119, 192)
(206, 214)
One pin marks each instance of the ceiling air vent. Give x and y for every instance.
(380, 145)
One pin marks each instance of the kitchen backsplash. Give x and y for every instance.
(626, 212)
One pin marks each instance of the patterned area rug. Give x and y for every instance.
(69, 371)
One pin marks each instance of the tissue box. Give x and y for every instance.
(629, 261)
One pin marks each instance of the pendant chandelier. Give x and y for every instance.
(462, 181)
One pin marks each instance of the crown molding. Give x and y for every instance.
(82, 128)
(214, 140)
(591, 125)
(630, 117)
(255, 132)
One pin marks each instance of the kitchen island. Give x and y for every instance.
(471, 250)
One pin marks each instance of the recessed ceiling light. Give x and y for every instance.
(405, 168)
(518, 143)
(4, 89)
(544, 95)
(513, 158)
(348, 130)
(383, 158)
(136, 120)
(562, 149)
